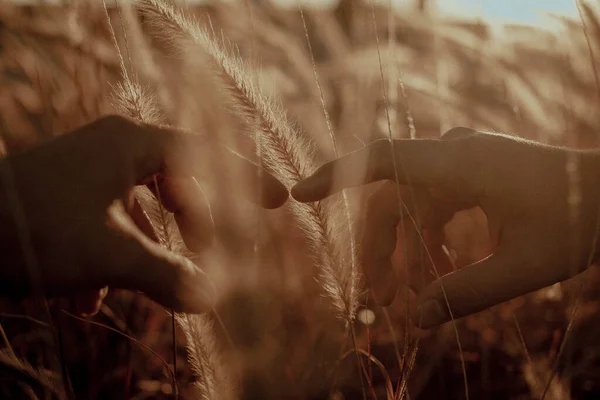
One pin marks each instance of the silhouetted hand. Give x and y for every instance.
(66, 213)
(523, 187)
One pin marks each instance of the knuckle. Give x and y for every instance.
(110, 130)
(121, 130)
(458, 132)
(464, 155)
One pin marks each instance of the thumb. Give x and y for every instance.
(467, 290)
(515, 269)
(165, 277)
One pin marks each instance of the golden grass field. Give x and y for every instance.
(293, 316)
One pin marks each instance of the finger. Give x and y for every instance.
(254, 183)
(426, 258)
(421, 237)
(389, 235)
(88, 303)
(151, 149)
(188, 154)
(512, 271)
(185, 199)
(165, 277)
(424, 162)
(378, 244)
(140, 217)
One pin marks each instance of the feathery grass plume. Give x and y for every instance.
(286, 154)
(212, 380)
(129, 97)
(134, 101)
(346, 206)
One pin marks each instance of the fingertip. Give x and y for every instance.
(307, 190)
(298, 191)
(317, 186)
(274, 194)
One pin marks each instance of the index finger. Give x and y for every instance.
(424, 162)
(155, 149)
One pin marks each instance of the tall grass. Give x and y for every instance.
(297, 89)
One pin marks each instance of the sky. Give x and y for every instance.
(511, 11)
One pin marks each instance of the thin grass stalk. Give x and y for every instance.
(411, 363)
(335, 151)
(169, 246)
(61, 353)
(521, 337)
(412, 134)
(388, 382)
(131, 338)
(401, 206)
(368, 372)
(344, 193)
(25, 318)
(392, 88)
(9, 348)
(137, 110)
(388, 321)
(390, 101)
(359, 364)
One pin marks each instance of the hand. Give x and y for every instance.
(523, 187)
(66, 205)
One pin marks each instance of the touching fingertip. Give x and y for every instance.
(297, 192)
(304, 191)
(275, 198)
